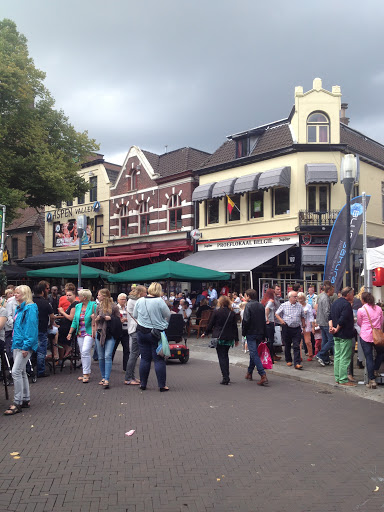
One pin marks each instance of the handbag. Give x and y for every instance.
(156, 333)
(215, 341)
(265, 356)
(378, 334)
(163, 349)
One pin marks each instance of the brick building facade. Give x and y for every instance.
(151, 208)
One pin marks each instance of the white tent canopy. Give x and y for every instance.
(375, 257)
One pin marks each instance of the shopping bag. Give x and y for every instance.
(265, 356)
(163, 346)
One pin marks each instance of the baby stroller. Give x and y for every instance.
(175, 334)
(7, 368)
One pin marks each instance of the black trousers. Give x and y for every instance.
(292, 337)
(271, 338)
(222, 354)
(125, 342)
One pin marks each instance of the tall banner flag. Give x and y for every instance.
(335, 259)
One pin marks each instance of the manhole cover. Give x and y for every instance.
(325, 392)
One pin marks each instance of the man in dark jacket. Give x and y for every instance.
(341, 326)
(254, 329)
(46, 317)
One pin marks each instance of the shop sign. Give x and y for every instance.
(67, 213)
(308, 239)
(241, 243)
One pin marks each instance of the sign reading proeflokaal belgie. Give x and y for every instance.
(254, 241)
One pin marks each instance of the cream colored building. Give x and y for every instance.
(284, 180)
(61, 239)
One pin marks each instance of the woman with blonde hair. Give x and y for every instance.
(152, 316)
(106, 314)
(25, 341)
(309, 323)
(82, 326)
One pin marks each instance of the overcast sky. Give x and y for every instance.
(176, 73)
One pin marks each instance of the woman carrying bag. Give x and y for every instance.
(223, 326)
(152, 316)
(107, 324)
(368, 318)
(82, 326)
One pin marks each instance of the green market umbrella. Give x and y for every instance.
(168, 270)
(69, 271)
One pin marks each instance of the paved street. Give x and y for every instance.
(292, 446)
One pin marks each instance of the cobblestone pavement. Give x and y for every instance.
(291, 446)
(312, 372)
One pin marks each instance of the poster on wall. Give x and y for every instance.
(65, 234)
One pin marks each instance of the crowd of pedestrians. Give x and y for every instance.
(325, 327)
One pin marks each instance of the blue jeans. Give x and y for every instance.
(368, 353)
(254, 359)
(41, 352)
(105, 357)
(147, 346)
(326, 345)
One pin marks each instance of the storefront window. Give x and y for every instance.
(281, 201)
(212, 211)
(256, 204)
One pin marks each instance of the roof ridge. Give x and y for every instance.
(346, 127)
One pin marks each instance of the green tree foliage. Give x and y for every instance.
(40, 151)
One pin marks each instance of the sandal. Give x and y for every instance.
(26, 404)
(166, 388)
(81, 378)
(85, 380)
(132, 383)
(101, 383)
(106, 384)
(12, 409)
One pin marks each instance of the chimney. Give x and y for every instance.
(343, 118)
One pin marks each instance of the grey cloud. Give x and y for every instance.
(181, 73)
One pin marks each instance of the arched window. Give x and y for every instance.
(133, 180)
(124, 221)
(143, 218)
(174, 213)
(317, 127)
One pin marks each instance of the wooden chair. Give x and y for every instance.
(205, 316)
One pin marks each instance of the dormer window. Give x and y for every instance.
(245, 145)
(242, 147)
(318, 128)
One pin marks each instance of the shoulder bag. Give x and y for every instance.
(215, 341)
(156, 333)
(378, 334)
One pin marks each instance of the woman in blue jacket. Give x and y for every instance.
(82, 326)
(25, 340)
